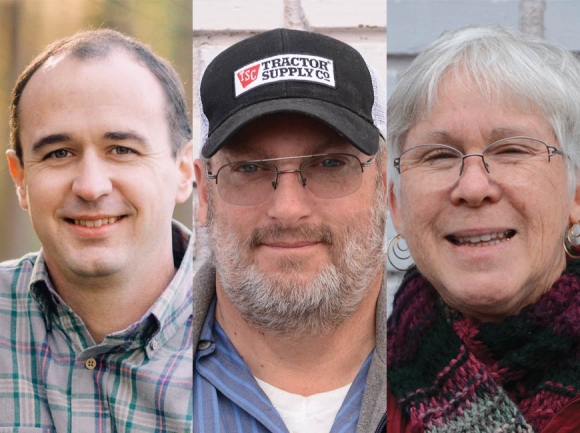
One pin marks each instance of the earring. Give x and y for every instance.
(402, 253)
(572, 240)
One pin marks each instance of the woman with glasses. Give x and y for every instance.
(484, 148)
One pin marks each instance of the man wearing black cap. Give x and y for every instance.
(290, 312)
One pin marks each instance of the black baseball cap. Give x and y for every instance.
(291, 71)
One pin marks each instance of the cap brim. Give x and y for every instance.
(359, 132)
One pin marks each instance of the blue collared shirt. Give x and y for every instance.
(227, 398)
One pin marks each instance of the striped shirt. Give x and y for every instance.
(53, 378)
(227, 398)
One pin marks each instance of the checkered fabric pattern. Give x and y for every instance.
(53, 378)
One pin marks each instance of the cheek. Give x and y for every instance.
(239, 219)
(420, 208)
(44, 192)
(544, 203)
(553, 217)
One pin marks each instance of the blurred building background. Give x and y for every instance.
(217, 24)
(26, 26)
(415, 24)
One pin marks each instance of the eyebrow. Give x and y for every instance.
(65, 138)
(444, 137)
(328, 146)
(50, 139)
(332, 145)
(508, 131)
(125, 135)
(437, 137)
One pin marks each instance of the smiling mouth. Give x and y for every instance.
(94, 223)
(485, 240)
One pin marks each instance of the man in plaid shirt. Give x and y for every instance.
(95, 329)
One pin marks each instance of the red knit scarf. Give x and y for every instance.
(452, 373)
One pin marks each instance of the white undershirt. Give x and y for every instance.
(312, 414)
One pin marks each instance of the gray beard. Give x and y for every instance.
(289, 303)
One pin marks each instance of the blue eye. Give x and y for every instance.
(331, 163)
(247, 168)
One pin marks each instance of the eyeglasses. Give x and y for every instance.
(511, 158)
(249, 183)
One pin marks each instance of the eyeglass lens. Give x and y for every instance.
(248, 183)
(512, 158)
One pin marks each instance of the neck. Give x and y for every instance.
(112, 303)
(298, 363)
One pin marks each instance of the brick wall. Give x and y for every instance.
(217, 24)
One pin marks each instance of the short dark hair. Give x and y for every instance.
(99, 43)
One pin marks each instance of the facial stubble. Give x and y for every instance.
(288, 301)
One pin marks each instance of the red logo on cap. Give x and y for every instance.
(248, 75)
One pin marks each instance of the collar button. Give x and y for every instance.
(203, 345)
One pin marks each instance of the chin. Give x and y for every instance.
(305, 266)
(489, 308)
(95, 268)
(484, 300)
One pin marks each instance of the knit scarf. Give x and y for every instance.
(451, 373)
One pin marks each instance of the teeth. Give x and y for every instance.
(484, 240)
(97, 223)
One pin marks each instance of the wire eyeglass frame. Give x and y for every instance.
(552, 151)
(299, 170)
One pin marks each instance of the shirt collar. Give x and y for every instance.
(175, 305)
(171, 310)
(206, 341)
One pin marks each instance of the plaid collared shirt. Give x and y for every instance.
(53, 378)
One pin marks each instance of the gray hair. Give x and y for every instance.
(526, 71)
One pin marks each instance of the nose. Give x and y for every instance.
(92, 179)
(289, 202)
(485, 165)
(475, 185)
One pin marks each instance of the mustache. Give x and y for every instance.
(305, 233)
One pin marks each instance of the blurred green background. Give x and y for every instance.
(26, 26)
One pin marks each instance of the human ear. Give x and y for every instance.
(185, 164)
(574, 216)
(19, 178)
(395, 211)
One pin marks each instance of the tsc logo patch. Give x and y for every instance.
(284, 67)
(248, 75)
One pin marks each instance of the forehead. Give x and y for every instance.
(282, 135)
(116, 70)
(465, 110)
(67, 94)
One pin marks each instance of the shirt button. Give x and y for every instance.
(90, 363)
(203, 345)
(154, 345)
